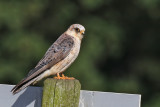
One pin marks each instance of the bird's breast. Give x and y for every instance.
(66, 62)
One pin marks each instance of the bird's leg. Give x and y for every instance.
(58, 76)
(63, 77)
(68, 78)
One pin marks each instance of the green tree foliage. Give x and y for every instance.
(120, 50)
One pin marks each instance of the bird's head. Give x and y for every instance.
(76, 30)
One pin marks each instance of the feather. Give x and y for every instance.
(22, 85)
(57, 52)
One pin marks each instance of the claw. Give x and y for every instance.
(58, 76)
(63, 77)
(68, 78)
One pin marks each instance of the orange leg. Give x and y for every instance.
(68, 78)
(58, 76)
(63, 77)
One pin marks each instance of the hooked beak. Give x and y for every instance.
(82, 32)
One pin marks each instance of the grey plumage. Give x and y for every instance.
(57, 52)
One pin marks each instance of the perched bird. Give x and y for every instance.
(57, 59)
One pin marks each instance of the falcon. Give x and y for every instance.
(57, 59)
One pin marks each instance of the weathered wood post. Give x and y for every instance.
(61, 93)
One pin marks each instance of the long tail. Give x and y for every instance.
(22, 85)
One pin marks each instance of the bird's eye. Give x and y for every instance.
(77, 29)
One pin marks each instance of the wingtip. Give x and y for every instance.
(23, 84)
(15, 88)
(13, 91)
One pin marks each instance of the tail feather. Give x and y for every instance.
(23, 84)
(32, 77)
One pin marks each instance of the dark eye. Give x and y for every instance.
(77, 29)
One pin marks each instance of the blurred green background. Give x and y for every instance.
(119, 53)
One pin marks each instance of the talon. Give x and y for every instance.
(70, 78)
(67, 78)
(58, 76)
(63, 77)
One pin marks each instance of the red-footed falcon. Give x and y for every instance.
(57, 59)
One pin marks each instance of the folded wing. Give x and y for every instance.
(57, 52)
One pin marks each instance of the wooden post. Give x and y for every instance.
(61, 93)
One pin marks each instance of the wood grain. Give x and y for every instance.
(61, 93)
